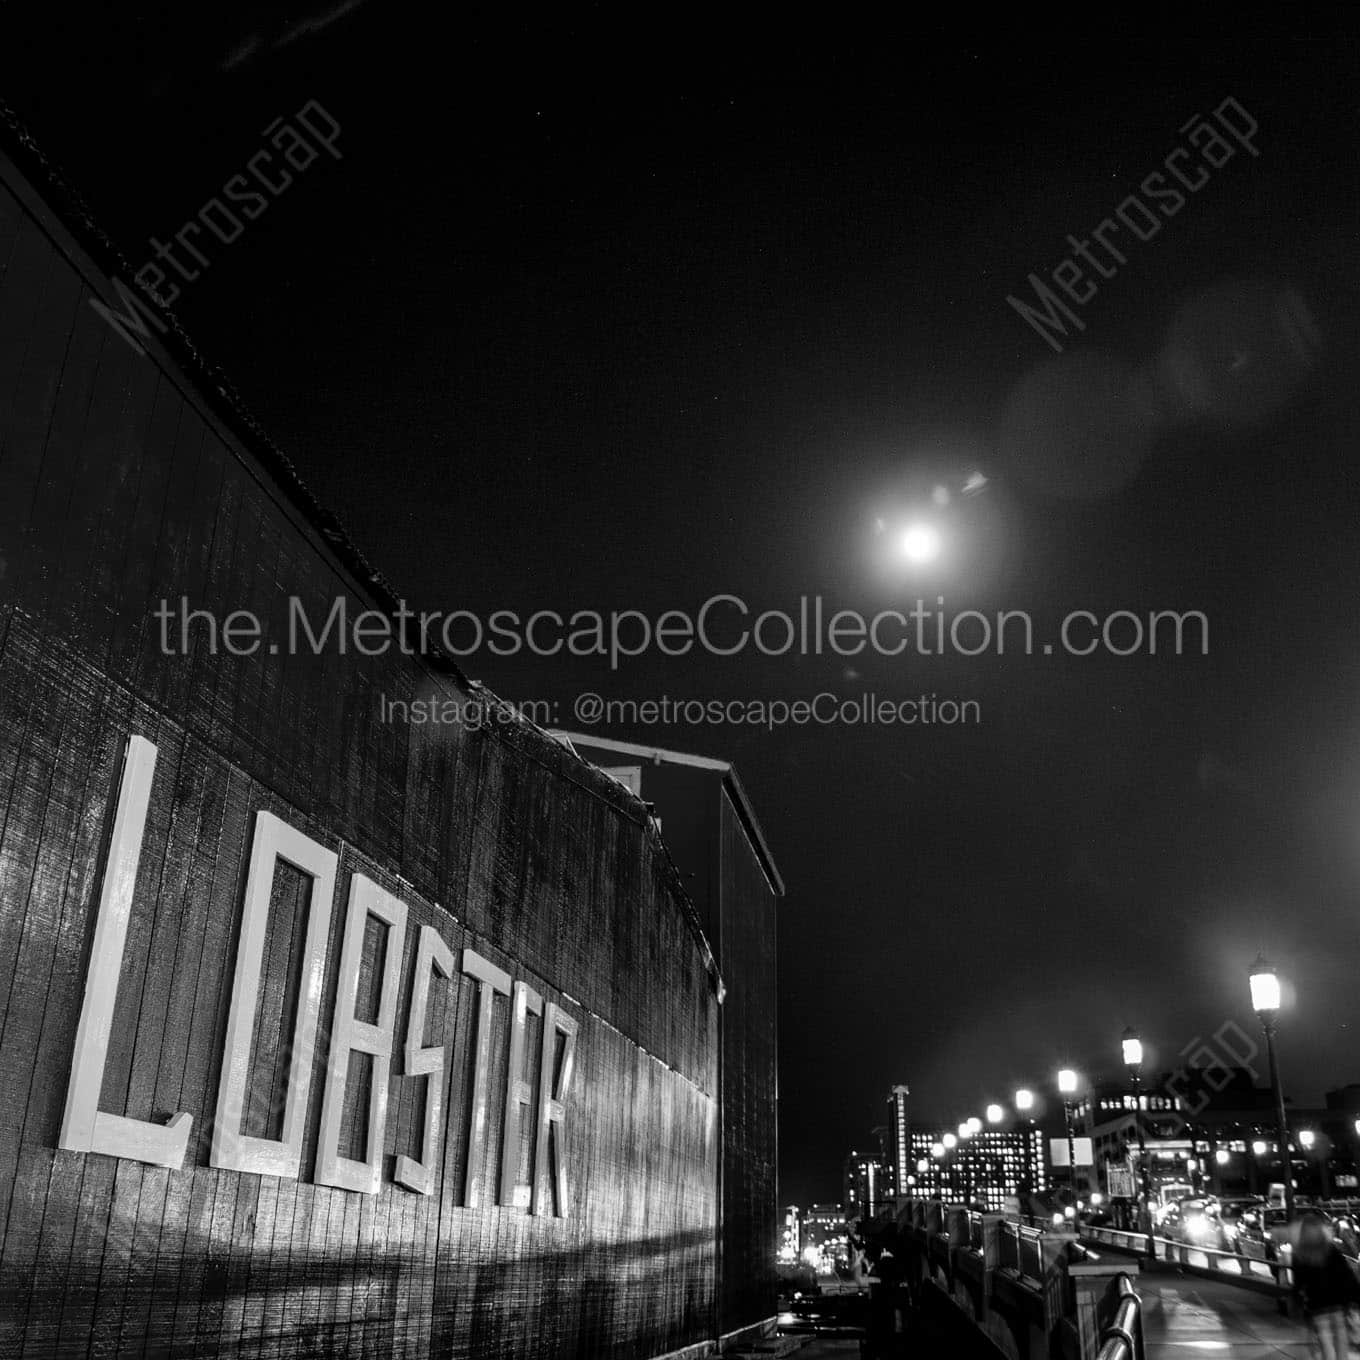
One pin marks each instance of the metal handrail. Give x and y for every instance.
(1022, 1249)
(1227, 1263)
(1034, 1254)
(1121, 1338)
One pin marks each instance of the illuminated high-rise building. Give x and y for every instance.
(868, 1185)
(987, 1168)
(899, 1136)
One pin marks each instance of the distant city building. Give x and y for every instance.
(1213, 1130)
(1345, 1100)
(883, 1144)
(868, 1184)
(988, 1168)
(929, 1177)
(1109, 1115)
(899, 1135)
(825, 1239)
(791, 1237)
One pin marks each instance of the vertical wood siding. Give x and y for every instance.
(120, 486)
(749, 1127)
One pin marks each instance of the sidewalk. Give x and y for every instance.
(1185, 1316)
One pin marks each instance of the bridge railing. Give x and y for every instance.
(1121, 1317)
(1264, 1271)
(1029, 1281)
(1022, 1249)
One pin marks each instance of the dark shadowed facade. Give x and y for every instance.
(322, 1033)
(709, 824)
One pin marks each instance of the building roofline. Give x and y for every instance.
(660, 755)
(657, 755)
(62, 214)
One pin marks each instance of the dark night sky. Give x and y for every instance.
(593, 318)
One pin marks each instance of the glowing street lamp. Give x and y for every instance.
(974, 1125)
(1024, 1105)
(950, 1141)
(1308, 1139)
(1265, 1001)
(1265, 988)
(937, 1150)
(1067, 1087)
(995, 1114)
(965, 1163)
(1132, 1047)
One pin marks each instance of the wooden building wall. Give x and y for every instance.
(123, 480)
(750, 1148)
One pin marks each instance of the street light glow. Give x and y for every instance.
(937, 1150)
(920, 543)
(1259, 1147)
(1221, 1156)
(1265, 1001)
(1265, 987)
(1307, 1138)
(1067, 1081)
(1133, 1048)
(965, 1130)
(995, 1114)
(974, 1124)
(1024, 1100)
(950, 1141)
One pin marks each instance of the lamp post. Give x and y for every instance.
(1265, 1001)
(1308, 1140)
(994, 1171)
(1133, 1059)
(1067, 1087)
(1024, 1105)
(966, 1161)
